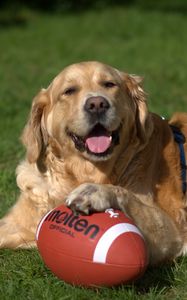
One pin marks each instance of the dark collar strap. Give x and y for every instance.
(180, 140)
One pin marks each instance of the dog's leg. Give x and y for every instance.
(161, 234)
(159, 230)
(18, 227)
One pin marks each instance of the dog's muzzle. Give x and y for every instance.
(99, 141)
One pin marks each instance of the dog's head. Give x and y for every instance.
(89, 109)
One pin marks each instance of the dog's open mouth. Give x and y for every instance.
(99, 141)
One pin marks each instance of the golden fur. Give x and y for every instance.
(141, 174)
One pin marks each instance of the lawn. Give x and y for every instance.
(149, 42)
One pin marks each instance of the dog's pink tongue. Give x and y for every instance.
(98, 144)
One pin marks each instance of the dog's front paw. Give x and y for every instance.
(88, 198)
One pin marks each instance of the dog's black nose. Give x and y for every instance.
(96, 105)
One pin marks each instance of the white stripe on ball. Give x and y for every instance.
(40, 224)
(108, 238)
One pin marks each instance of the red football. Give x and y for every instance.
(103, 249)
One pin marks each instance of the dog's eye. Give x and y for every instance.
(69, 91)
(109, 84)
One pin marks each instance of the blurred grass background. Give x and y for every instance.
(37, 40)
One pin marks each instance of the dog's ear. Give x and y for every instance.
(34, 135)
(136, 93)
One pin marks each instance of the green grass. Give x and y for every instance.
(152, 43)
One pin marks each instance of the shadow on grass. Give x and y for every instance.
(155, 279)
(17, 15)
(13, 13)
(180, 9)
(11, 18)
(162, 278)
(158, 279)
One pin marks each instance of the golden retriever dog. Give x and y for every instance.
(92, 144)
